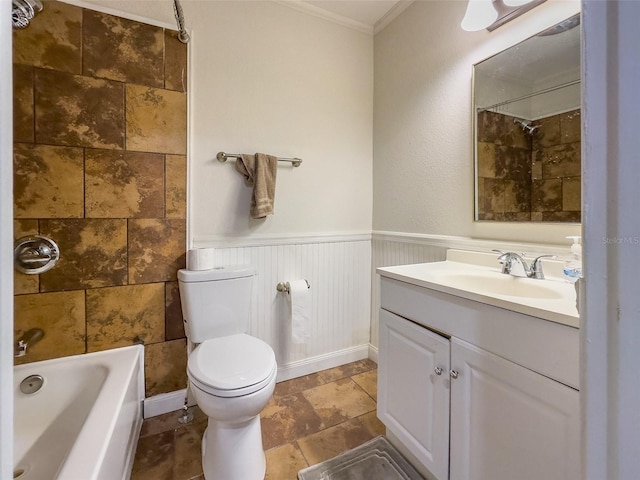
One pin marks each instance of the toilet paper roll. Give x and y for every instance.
(300, 299)
(201, 259)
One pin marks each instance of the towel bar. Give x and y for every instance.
(222, 157)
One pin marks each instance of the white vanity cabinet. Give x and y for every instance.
(500, 408)
(413, 391)
(508, 422)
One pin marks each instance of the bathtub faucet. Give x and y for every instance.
(26, 340)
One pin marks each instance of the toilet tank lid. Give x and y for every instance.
(217, 273)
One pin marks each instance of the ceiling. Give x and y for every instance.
(364, 15)
(367, 12)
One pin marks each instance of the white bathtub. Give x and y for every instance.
(84, 423)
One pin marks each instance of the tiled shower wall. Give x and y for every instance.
(556, 169)
(523, 177)
(100, 113)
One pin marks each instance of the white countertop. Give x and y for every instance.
(557, 302)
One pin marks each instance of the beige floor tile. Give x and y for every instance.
(284, 462)
(155, 457)
(339, 401)
(286, 418)
(372, 423)
(328, 443)
(294, 427)
(169, 421)
(297, 385)
(368, 381)
(188, 457)
(348, 370)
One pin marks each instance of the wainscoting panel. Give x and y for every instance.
(399, 251)
(340, 277)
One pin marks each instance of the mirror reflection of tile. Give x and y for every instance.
(529, 171)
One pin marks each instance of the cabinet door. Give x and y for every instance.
(413, 400)
(508, 422)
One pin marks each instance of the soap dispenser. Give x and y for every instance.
(573, 267)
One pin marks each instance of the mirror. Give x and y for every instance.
(527, 129)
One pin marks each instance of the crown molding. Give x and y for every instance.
(326, 15)
(391, 15)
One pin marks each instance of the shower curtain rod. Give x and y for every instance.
(22, 11)
(183, 36)
(524, 97)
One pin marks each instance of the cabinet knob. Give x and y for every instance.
(453, 374)
(438, 371)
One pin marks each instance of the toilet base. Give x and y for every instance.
(233, 451)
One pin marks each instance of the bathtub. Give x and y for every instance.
(84, 422)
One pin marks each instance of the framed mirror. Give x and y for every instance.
(527, 129)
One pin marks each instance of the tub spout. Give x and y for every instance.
(26, 340)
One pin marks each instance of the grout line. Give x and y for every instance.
(303, 455)
(363, 390)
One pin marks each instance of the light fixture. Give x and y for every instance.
(515, 3)
(479, 15)
(491, 14)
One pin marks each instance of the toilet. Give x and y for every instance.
(232, 375)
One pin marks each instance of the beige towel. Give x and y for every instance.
(259, 171)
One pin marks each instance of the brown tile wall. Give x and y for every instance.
(556, 169)
(525, 177)
(100, 114)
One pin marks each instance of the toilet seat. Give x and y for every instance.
(232, 366)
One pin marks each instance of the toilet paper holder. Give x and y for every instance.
(283, 287)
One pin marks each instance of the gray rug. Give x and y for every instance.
(375, 460)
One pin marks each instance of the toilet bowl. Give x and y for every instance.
(231, 374)
(232, 379)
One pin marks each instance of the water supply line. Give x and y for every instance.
(187, 416)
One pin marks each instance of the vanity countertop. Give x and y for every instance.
(477, 276)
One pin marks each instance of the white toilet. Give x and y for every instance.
(231, 374)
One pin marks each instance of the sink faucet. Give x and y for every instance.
(26, 340)
(516, 265)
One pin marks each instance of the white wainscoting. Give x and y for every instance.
(390, 250)
(345, 291)
(338, 268)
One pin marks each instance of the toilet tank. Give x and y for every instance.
(216, 302)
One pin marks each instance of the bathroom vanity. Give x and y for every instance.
(479, 370)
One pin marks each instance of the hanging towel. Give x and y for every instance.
(259, 171)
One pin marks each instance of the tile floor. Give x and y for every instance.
(309, 419)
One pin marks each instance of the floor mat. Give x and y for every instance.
(375, 460)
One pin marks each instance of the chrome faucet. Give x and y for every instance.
(26, 340)
(516, 265)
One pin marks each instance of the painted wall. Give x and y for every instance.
(272, 79)
(423, 151)
(100, 140)
(268, 78)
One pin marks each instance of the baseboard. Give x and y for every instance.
(309, 365)
(164, 403)
(172, 401)
(373, 353)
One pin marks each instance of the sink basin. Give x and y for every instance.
(492, 283)
(476, 276)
